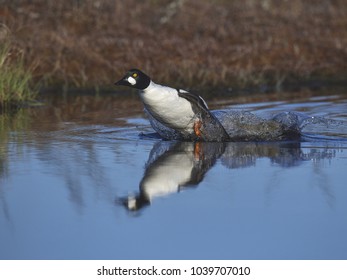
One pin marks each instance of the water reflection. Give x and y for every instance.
(172, 166)
(284, 154)
(78, 139)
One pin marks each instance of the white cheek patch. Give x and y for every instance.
(131, 80)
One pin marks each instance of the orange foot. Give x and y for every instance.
(197, 151)
(197, 126)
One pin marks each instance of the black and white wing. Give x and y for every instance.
(193, 98)
(212, 129)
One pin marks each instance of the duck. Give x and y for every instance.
(186, 113)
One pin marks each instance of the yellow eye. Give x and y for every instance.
(135, 75)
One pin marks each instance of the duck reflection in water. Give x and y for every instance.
(173, 166)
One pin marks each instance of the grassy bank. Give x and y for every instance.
(15, 79)
(88, 44)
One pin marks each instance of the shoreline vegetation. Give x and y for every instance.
(220, 44)
(15, 79)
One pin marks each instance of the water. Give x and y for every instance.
(77, 181)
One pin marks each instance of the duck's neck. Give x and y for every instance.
(155, 89)
(157, 95)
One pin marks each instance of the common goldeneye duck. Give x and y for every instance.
(184, 112)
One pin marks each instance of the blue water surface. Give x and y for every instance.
(90, 187)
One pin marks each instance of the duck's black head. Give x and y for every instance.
(134, 78)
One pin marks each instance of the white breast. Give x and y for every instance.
(167, 107)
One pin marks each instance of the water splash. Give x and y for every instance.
(247, 126)
(322, 128)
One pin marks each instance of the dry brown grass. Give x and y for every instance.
(196, 44)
